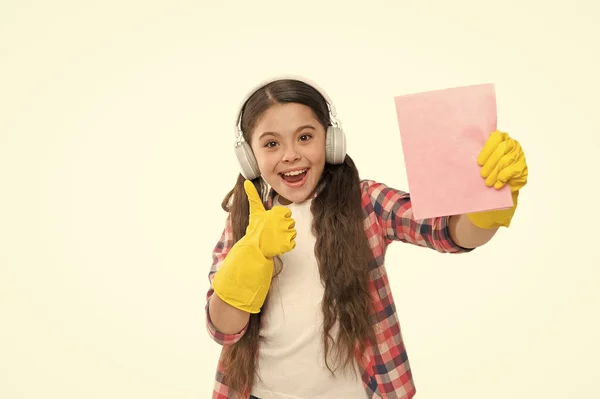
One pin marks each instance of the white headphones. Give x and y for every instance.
(335, 141)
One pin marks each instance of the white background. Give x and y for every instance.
(116, 133)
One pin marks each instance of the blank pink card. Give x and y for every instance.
(442, 133)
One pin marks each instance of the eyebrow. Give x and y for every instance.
(297, 130)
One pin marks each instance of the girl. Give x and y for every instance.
(299, 296)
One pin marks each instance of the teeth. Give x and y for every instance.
(295, 172)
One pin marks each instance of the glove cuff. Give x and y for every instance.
(496, 218)
(244, 278)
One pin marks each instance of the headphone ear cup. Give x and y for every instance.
(335, 146)
(247, 161)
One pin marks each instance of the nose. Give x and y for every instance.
(290, 154)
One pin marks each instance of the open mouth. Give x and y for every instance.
(295, 178)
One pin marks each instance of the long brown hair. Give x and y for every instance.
(341, 249)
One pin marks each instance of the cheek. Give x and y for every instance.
(266, 161)
(317, 153)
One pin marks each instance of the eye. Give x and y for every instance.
(270, 144)
(305, 137)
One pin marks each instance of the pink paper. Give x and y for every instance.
(442, 133)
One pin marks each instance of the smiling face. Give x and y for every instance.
(289, 145)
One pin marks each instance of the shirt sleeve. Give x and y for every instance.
(392, 209)
(218, 255)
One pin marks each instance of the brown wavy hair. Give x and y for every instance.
(342, 250)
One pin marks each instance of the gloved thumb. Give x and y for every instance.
(256, 205)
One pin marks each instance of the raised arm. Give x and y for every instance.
(241, 273)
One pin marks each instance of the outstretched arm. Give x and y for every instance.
(502, 163)
(390, 216)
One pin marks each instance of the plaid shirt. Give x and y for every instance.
(384, 367)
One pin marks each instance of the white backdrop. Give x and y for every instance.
(116, 133)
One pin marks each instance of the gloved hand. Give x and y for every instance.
(244, 278)
(502, 162)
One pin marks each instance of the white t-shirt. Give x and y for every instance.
(291, 363)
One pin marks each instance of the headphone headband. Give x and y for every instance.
(238, 125)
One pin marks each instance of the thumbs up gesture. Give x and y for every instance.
(273, 230)
(244, 278)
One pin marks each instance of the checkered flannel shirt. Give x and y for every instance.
(384, 367)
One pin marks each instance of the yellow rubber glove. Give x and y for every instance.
(244, 278)
(502, 162)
